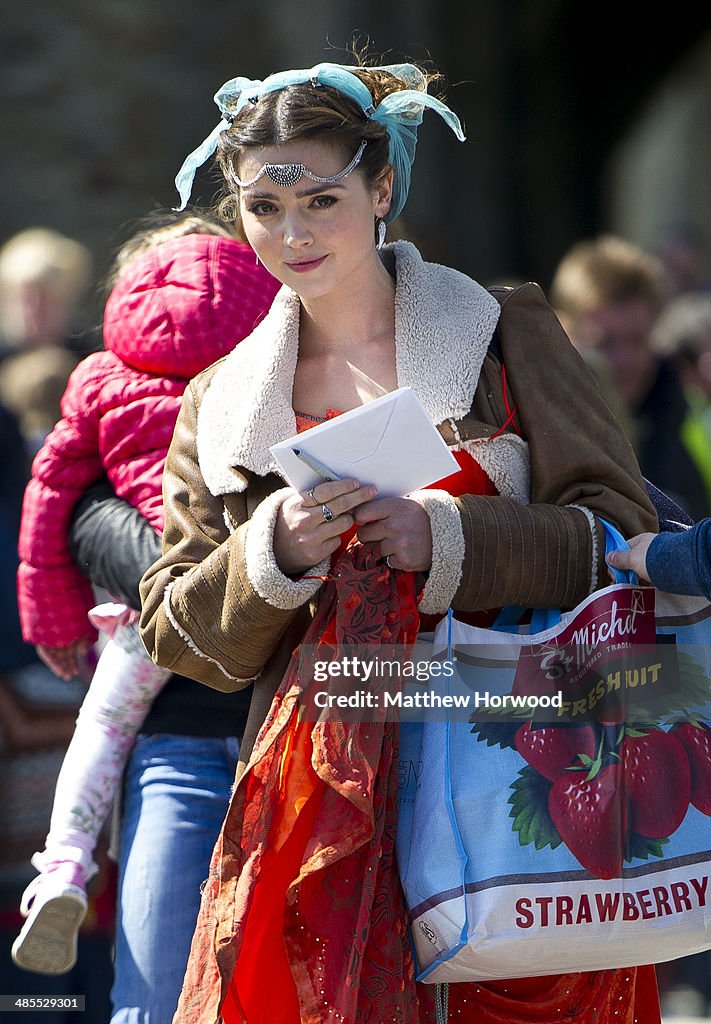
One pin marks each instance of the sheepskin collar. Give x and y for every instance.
(444, 322)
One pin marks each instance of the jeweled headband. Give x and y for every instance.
(288, 174)
(399, 112)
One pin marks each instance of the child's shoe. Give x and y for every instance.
(55, 905)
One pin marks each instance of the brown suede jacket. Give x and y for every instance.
(217, 608)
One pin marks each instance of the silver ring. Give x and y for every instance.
(327, 513)
(388, 562)
(310, 494)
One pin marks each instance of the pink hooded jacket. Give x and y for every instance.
(176, 309)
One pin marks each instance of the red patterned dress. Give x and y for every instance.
(303, 920)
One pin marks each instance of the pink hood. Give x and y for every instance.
(176, 309)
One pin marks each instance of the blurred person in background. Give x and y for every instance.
(609, 294)
(32, 384)
(43, 278)
(682, 334)
(14, 472)
(683, 253)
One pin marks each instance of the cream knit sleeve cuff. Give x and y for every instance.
(264, 574)
(447, 550)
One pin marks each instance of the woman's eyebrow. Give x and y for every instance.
(304, 193)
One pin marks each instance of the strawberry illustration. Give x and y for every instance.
(696, 740)
(551, 750)
(657, 782)
(591, 817)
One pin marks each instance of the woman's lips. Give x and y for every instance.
(302, 266)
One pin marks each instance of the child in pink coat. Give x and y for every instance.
(188, 296)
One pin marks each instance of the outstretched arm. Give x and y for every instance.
(679, 563)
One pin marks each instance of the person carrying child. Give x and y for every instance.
(186, 293)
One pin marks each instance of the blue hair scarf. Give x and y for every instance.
(400, 113)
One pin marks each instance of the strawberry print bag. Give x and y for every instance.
(558, 817)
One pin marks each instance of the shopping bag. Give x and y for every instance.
(536, 839)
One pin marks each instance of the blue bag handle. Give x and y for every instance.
(614, 541)
(541, 618)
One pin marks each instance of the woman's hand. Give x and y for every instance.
(636, 558)
(309, 526)
(401, 529)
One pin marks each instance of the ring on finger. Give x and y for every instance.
(310, 494)
(388, 562)
(327, 513)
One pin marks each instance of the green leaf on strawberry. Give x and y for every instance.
(638, 847)
(529, 810)
(495, 734)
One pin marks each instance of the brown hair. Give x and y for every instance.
(308, 111)
(602, 271)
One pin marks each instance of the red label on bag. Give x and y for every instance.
(608, 648)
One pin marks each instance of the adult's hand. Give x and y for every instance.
(401, 530)
(309, 526)
(634, 559)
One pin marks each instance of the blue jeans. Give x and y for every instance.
(176, 793)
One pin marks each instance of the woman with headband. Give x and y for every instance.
(302, 917)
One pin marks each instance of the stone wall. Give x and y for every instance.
(101, 99)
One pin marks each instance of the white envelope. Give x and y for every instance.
(391, 443)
